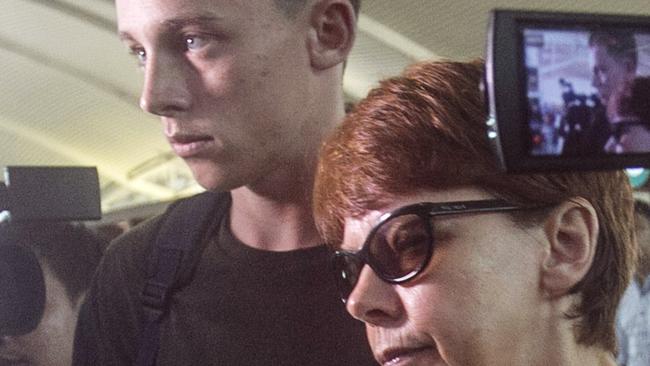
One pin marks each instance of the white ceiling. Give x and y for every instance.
(69, 90)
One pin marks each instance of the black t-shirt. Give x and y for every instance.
(243, 307)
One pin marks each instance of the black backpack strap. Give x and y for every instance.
(178, 245)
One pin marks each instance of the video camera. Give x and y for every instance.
(35, 194)
(50, 193)
(552, 103)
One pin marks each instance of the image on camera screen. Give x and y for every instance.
(588, 91)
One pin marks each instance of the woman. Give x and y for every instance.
(449, 261)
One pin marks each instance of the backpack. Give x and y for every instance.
(177, 247)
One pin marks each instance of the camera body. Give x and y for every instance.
(45, 193)
(548, 106)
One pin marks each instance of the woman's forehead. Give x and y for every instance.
(423, 195)
(356, 229)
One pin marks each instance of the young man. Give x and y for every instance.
(246, 90)
(613, 57)
(614, 61)
(67, 256)
(449, 261)
(628, 113)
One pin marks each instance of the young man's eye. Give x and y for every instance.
(140, 55)
(194, 42)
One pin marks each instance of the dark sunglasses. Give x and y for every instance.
(400, 246)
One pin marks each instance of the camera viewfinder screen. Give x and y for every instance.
(588, 92)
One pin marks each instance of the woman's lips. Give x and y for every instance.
(13, 361)
(407, 356)
(186, 146)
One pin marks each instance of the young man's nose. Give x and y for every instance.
(372, 300)
(166, 91)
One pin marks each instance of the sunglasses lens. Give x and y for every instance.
(346, 269)
(400, 247)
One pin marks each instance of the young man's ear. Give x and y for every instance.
(572, 233)
(333, 29)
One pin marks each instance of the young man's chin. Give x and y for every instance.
(212, 177)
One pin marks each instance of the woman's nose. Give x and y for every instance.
(373, 300)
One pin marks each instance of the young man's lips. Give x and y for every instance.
(186, 146)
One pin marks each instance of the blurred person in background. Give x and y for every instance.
(633, 319)
(66, 256)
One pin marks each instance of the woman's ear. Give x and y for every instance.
(333, 29)
(572, 233)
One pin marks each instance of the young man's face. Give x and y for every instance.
(230, 80)
(50, 344)
(474, 303)
(609, 73)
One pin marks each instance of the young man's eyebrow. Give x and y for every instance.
(191, 20)
(124, 36)
(178, 23)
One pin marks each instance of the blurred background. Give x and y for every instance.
(69, 90)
